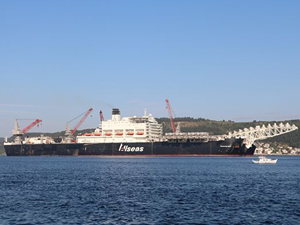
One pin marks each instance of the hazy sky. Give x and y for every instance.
(232, 60)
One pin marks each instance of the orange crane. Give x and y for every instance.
(81, 121)
(37, 121)
(18, 132)
(171, 116)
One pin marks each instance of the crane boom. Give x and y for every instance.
(171, 116)
(37, 121)
(101, 116)
(81, 121)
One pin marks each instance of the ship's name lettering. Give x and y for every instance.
(225, 146)
(126, 148)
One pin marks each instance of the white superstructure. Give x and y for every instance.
(126, 129)
(31, 140)
(264, 160)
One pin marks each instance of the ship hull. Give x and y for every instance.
(56, 149)
(228, 147)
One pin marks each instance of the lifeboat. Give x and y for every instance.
(119, 133)
(130, 133)
(108, 134)
(87, 134)
(97, 134)
(140, 133)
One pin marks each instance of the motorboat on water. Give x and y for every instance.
(264, 160)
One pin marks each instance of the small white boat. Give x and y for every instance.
(264, 160)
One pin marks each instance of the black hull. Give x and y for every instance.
(58, 149)
(228, 147)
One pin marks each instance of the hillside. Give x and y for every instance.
(189, 124)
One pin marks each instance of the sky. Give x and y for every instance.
(215, 59)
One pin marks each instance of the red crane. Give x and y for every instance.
(37, 121)
(81, 121)
(171, 116)
(101, 116)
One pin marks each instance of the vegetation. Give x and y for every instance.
(188, 124)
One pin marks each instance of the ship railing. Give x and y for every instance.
(188, 134)
(195, 138)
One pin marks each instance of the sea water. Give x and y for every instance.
(152, 190)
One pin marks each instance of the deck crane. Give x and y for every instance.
(69, 132)
(36, 122)
(171, 116)
(18, 133)
(101, 116)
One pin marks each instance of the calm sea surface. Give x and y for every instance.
(158, 190)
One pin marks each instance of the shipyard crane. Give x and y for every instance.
(69, 132)
(171, 116)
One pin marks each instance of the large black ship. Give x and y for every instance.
(228, 147)
(142, 136)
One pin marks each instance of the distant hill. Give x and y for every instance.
(189, 124)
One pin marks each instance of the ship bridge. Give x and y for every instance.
(253, 134)
(126, 129)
